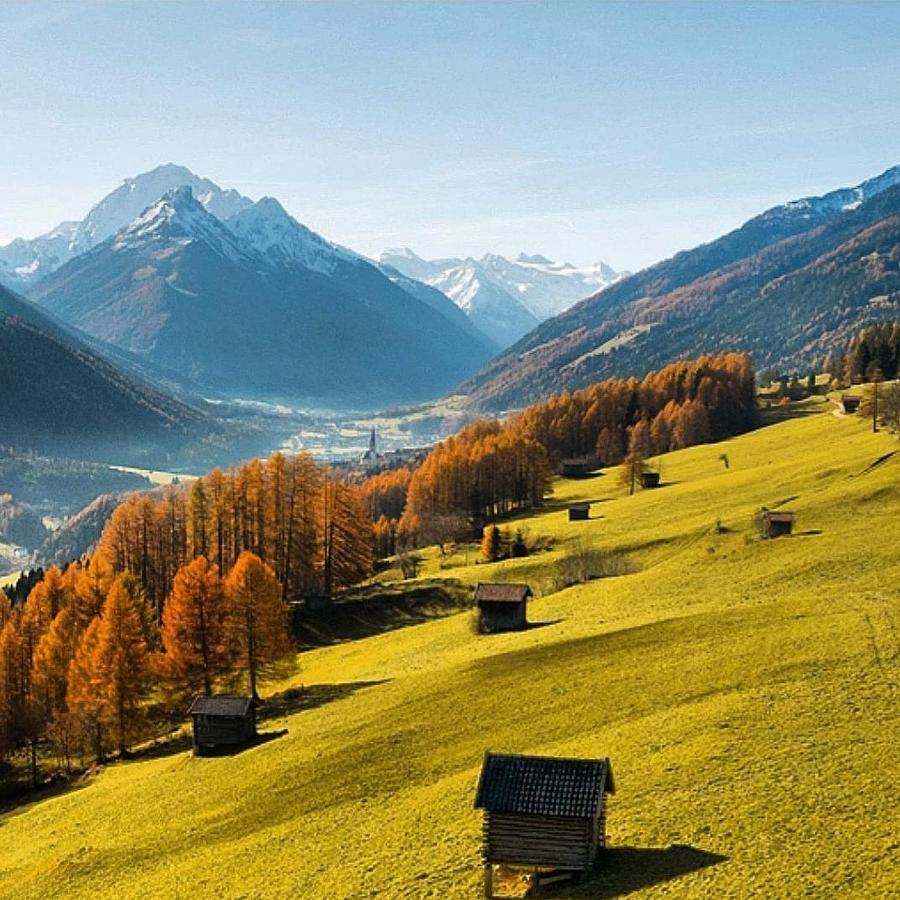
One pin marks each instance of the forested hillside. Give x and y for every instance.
(788, 286)
(60, 397)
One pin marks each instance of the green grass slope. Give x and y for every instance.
(746, 692)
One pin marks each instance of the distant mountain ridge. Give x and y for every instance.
(788, 285)
(258, 305)
(504, 298)
(59, 396)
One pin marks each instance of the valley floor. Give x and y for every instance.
(745, 690)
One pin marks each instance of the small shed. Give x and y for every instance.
(542, 812)
(318, 601)
(776, 522)
(649, 479)
(502, 607)
(577, 466)
(222, 722)
(579, 512)
(850, 403)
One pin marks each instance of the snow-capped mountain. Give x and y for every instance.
(277, 237)
(841, 200)
(491, 307)
(505, 298)
(260, 307)
(24, 262)
(177, 217)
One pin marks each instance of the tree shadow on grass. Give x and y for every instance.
(623, 870)
(309, 696)
(15, 803)
(378, 608)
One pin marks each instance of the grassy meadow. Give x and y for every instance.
(746, 692)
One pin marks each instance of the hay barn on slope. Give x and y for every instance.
(776, 523)
(542, 811)
(502, 607)
(222, 723)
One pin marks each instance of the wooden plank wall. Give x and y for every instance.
(562, 843)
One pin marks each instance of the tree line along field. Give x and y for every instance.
(745, 690)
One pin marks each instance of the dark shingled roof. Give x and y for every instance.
(501, 593)
(779, 516)
(220, 706)
(543, 785)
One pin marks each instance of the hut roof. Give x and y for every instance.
(221, 706)
(502, 593)
(774, 515)
(580, 505)
(543, 785)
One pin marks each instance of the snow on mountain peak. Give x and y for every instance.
(280, 239)
(178, 216)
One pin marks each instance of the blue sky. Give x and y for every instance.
(585, 131)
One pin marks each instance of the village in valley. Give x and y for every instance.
(333, 569)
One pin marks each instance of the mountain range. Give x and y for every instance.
(504, 298)
(240, 298)
(788, 286)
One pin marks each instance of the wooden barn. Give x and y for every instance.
(502, 607)
(649, 479)
(577, 467)
(777, 522)
(222, 723)
(542, 812)
(850, 403)
(579, 512)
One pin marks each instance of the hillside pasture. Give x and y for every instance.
(745, 690)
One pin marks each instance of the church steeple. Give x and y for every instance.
(372, 440)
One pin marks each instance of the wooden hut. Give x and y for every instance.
(579, 512)
(542, 812)
(777, 522)
(850, 403)
(576, 467)
(222, 723)
(318, 601)
(502, 607)
(649, 479)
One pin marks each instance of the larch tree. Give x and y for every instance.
(13, 688)
(50, 667)
(258, 621)
(121, 664)
(195, 632)
(84, 694)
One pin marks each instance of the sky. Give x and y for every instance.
(583, 131)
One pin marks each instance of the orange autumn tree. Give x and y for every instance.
(195, 633)
(121, 666)
(13, 687)
(50, 666)
(84, 695)
(258, 621)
